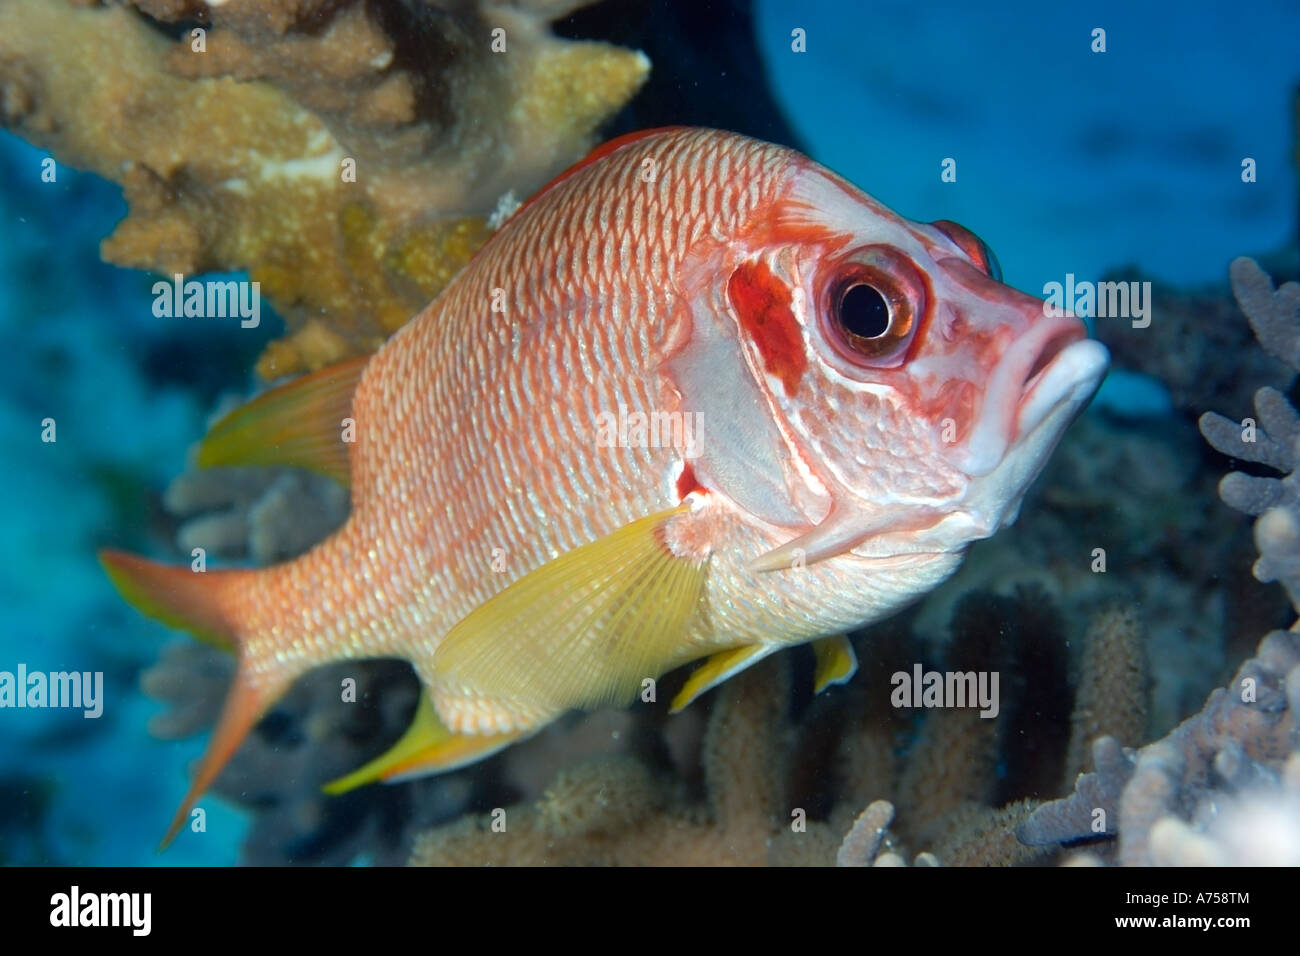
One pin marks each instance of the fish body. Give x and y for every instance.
(699, 398)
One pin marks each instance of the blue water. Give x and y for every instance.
(1067, 161)
(74, 335)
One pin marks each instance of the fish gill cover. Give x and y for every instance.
(282, 186)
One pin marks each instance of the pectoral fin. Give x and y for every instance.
(581, 631)
(427, 747)
(718, 668)
(836, 662)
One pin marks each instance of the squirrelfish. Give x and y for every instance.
(699, 399)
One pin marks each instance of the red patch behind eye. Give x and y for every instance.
(762, 303)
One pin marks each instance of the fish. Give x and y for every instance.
(698, 400)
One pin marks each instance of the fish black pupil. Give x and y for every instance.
(864, 312)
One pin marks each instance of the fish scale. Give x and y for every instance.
(683, 272)
(396, 474)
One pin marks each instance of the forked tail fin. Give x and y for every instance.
(207, 605)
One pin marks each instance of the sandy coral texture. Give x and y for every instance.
(345, 153)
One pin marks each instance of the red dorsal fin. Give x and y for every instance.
(597, 154)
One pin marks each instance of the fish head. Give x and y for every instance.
(891, 396)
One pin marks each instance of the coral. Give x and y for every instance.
(235, 146)
(192, 680)
(1165, 798)
(862, 844)
(1220, 788)
(1259, 828)
(983, 836)
(766, 769)
(1111, 699)
(1272, 439)
(266, 514)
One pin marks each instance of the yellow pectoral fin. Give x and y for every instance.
(581, 631)
(718, 668)
(836, 662)
(427, 747)
(300, 423)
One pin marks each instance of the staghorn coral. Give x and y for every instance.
(231, 151)
(1220, 788)
(1175, 786)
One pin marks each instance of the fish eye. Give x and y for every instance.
(863, 312)
(869, 312)
(976, 249)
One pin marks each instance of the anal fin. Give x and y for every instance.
(426, 748)
(836, 662)
(716, 669)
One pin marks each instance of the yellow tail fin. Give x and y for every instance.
(205, 604)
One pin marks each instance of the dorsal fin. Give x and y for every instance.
(299, 423)
(598, 153)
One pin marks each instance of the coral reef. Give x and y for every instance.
(1165, 800)
(618, 811)
(1221, 787)
(345, 153)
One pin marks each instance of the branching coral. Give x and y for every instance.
(266, 514)
(344, 153)
(1175, 786)
(1272, 438)
(1220, 788)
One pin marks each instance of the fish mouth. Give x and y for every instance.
(1034, 374)
(1066, 372)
